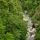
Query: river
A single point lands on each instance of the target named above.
(29, 23)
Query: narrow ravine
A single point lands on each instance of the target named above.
(27, 19)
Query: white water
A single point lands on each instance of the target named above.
(27, 19)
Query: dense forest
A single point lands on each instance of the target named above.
(12, 25)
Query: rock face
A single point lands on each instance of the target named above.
(31, 31)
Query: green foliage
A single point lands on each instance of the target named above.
(30, 6)
(36, 18)
(33, 8)
(12, 26)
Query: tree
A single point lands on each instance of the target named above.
(12, 26)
